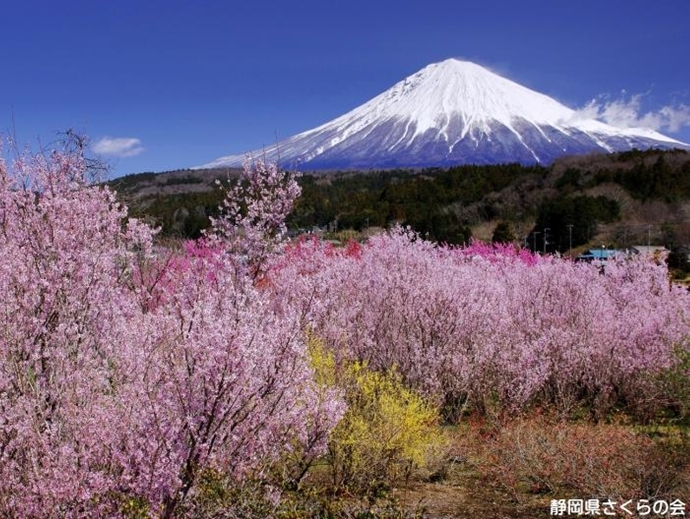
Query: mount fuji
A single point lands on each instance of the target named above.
(449, 113)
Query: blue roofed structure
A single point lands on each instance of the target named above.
(602, 254)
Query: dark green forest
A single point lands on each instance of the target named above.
(443, 204)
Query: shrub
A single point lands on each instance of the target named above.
(223, 498)
(387, 432)
(673, 386)
(536, 454)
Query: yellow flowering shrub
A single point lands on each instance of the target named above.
(388, 430)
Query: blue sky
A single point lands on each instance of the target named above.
(160, 85)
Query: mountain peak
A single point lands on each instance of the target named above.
(454, 88)
(452, 112)
(455, 66)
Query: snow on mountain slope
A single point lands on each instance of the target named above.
(453, 112)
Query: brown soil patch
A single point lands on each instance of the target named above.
(464, 494)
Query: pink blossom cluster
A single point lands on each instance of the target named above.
(492, 325)
(252, 223)
(125, 373)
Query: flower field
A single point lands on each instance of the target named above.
(242, 375)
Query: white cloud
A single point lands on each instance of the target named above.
(626, 112)
(118, 147)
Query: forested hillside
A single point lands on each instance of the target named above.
(620, 199)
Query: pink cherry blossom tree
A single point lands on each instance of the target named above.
(227, 385)
(253, 212)
(492, 327)
(125, 374)
(69, 323)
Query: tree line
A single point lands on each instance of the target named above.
(443, 204)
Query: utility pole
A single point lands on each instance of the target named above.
(535, 241)
(546, 235)
(649, 236)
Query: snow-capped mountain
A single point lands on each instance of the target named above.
(453, 112)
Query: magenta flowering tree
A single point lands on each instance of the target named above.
(253, 212)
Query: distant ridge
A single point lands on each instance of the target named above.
(449, 113)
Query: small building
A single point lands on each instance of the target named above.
(602, 254)
(647, 250)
